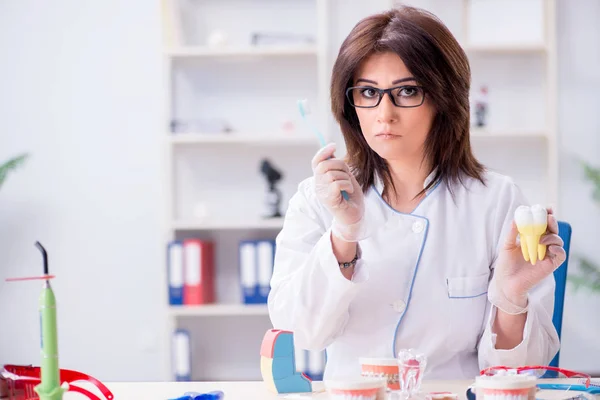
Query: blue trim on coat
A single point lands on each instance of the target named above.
(411, 286)
(467, 297)
(418, 259)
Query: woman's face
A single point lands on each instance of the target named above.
(392, 132)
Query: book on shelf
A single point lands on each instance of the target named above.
(181, 355)
(190, 266)
(256, 269)
(311, 363)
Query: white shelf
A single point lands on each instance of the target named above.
(204, 51)
(246, 139)
(199, 225)
(515, 48)
(219, 310)
(499, 134)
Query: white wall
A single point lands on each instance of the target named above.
(80, 90)
(579, 128)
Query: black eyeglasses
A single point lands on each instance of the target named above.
(406, 96)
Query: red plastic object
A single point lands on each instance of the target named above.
(199, 279)
(31, 278)
(267, 347)
(542, 369)
(22, 379)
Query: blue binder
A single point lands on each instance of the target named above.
(315, 364)
(256, 268)
(175, 266)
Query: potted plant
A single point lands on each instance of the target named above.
(11, 165)
(589, 273)
(5, 168)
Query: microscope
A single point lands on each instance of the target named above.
(273, 195)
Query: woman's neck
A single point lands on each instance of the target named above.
(408, 179)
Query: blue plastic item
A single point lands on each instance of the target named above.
(214, 395)
(471, 394)
(562, 386)
(560, 276)
(278, 365)
(551, 386)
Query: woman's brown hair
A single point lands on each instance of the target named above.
(436, 60)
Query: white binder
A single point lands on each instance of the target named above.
(265, 250)
(248, 270)
(182, 355)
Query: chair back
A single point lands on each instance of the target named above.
(560, 276)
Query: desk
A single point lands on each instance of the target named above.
(258, 391)
(235, 390)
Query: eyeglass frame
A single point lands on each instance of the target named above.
(382, 93)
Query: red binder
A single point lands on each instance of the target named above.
(199, 263)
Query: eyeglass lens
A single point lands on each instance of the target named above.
(402, 96)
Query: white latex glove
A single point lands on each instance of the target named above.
(514, 277)
(331, 176)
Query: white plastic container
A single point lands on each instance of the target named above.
(357, 389)
(441, 396)
(506, 387)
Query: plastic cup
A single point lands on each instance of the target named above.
(411, 367)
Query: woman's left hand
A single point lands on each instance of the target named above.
(515, 276)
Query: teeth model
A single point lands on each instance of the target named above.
(532, 223)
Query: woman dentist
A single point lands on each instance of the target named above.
(424, 252)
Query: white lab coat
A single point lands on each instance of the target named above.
(421, 282)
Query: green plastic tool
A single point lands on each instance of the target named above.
(49, 388)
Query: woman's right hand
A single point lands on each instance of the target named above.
(331, 176)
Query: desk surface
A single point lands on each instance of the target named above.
(258, 391)
(236, 390)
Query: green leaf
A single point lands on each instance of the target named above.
(580, 282)
(589, 276)
(592, 174)
(589, 273)
(11, 165)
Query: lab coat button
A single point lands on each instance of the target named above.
(399, 306)
(418, 226)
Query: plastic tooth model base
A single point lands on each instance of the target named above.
(515, 387)
(441, 396)
(360, 389)
(359, 395)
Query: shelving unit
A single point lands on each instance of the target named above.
(242, 139)
(242, 51)
(514, 48)
(507, 134)
(254, 89)
(199, 225)
(251, 92)
(216, 310)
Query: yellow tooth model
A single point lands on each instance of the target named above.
(532, 223)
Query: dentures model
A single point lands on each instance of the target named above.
(531, 223)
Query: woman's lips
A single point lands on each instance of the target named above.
(387, 135)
